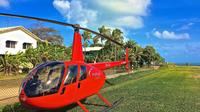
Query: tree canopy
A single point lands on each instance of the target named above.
(138, 56)
(53, 49)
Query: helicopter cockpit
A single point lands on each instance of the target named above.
(45, 79)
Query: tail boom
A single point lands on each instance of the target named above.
(107, 65)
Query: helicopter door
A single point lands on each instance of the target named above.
(70, 86)
(83, 84)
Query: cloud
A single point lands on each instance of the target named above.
(193, 48)
(4, 3)
(129, 21)
(75, 12)
(134, 7)
(186, 26)
(179, 49)
(171, 35)
(113, 13)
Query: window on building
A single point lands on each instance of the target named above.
(10, 44)
(26, 45)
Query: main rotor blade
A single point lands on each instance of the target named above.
(39, 19)
(61, 23)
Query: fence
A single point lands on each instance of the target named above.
(9, 88)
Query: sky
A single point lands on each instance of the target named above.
(171, 26)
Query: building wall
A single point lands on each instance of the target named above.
(18, 36)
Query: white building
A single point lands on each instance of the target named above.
(15, 39)
(89, 49)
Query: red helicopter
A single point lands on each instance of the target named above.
(52, 85)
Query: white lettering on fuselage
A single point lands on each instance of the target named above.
(96, 74)
(107, 64)
(123, 63)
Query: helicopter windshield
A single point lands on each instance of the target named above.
(45, 79)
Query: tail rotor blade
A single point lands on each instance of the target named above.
(109, 83)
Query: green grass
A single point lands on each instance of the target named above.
(165, 90)
(174, 89)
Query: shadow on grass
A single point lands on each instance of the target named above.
(17, 107)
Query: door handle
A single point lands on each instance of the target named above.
(63, 91)
(79, 85)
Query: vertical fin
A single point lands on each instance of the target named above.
(126, 59)
(77, 52)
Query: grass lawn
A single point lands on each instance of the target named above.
(174, 89)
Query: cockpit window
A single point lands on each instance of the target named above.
(71, 74)
(45, 80)
(83, 73)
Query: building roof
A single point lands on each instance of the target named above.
(88, 49)
(15, 28)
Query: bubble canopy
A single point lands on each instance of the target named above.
(45, 79)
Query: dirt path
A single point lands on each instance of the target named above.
(124, 73)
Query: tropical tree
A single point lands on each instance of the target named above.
(158, 60)
(105, 31)
(130, 44)
(52, 49)
(135, 53)
(86, 37)
(100, 56)
(47, 33)
(113, 51)
(95, 40)
(47, 52)
(12, 63)
(138, 56)
(149, 55)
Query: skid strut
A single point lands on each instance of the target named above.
(104, 100)
(82, 106)
(100, 96)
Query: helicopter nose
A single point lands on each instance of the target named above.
(22, 96)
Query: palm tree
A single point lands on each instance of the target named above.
(95, 40)
(86, 37)
(105, 31)
(135, 53)
(138, 56)
(149, 54)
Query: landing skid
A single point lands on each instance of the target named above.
(106, 109)
(115, 104)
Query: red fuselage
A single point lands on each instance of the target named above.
(68, 94)
(57, 84)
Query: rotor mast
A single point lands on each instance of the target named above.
(77, 51)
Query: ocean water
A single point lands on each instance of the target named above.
(191, 64)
